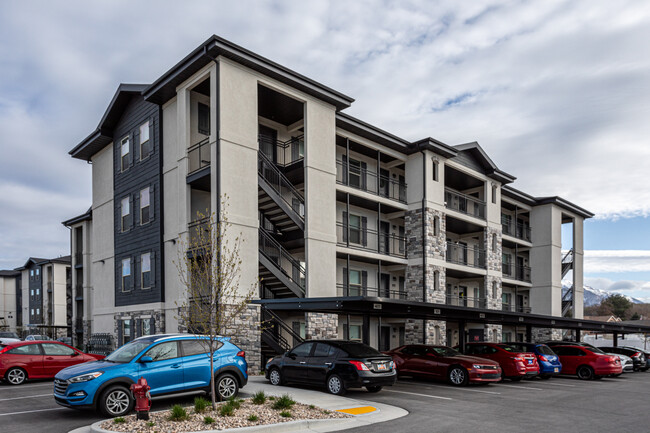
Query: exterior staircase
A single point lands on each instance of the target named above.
(277, 336)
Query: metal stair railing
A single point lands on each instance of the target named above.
(277, 254)
(272, 327)
(268, 170)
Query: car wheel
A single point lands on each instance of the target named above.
(585, 373)
(335, 385)
(226, 387)
(16, 376)
(374, 388)
(458, 376)
(275, 377)
(116, 401)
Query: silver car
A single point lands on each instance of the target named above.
(626, 363)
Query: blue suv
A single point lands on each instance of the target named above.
(549, 362)
(170, 363)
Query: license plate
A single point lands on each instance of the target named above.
(556, 370)
(382, 367)
(530, 362)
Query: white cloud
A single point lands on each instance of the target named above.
(619, 261)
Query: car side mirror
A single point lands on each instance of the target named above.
(146, 359)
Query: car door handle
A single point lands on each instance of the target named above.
(176, 366)
(328, 363)
(49, 358)
(303, 362)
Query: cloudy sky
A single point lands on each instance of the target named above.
(557, 92)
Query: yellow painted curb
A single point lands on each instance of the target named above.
(358, 410)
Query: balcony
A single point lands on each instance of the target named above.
(370, 240)
(515, 308)
(369, 181)
(461, 254)
(199, 233)
(464, 301)
(519, 231)
(357, 290)
(519, 273)
(285, 153)
(464, 204)
(199, 156)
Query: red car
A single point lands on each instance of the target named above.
(444, 363)
(24, 360)
(516, 365)
(586, 363)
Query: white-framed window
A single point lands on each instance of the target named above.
(355, 229)
(354, 286)
(125, 150)
(355, 333)
(32, 311)
(38, 292)
(145, 214)
(145, 143)
(38, 311)
(146, 327)
(31, 274)
(125, 212)
(37, 272)
(126, 331)
(32, 293)
(145, 271)
(126, 275)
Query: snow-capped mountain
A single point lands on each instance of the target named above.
(595, 296)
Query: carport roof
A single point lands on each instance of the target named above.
(395, 308)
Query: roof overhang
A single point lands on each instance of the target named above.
(565, 204)
(520, 196)
(437, 147)
(482, 157)
(88, 216)
(372, 133)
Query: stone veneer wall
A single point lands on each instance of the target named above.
(493, 333)
(546, 334)
(435, 245)
(321, 326)
(494, 257)
(159, 321)
(246, 333)
(493, 299)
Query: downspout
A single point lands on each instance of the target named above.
(424, 241)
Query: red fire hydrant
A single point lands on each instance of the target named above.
(142, 398)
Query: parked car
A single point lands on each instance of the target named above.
(8, 337)
(638, 357)
(171, 363)
(587, 363)
(444, 363)
(645, 353)
(37, 337)
(65, 340)
(336, 364)
(549, 362)
(23, 360)
(515, 364)
(626, 362)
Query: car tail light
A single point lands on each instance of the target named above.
(241, 354)
(519, 358)
(360, 365)
(636, 355)
(543, 358)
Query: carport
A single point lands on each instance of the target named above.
(379, 308)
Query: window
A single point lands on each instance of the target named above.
(38, 292)
(195, 347)
(323, 350)
(125, 152)
(126, 275)
(31, 274)
(145, 327)
(126, 331)
(32, 293)
(37, 272)
(162, 351)
(204, 119)
(494, 289)
(494, 241)
(302, 350)
(57, 349)
(505, 298)
(355, 229)
(125, 213)
(145, 143)
(145, 271)
(145, 214)
(494, 193)
(436, 280)
(436, 225)
(355, 333)
(355, 173)
(27, 349)
(32, 312)
(506, 337)
(38, 311)
(355, 283)
(435, 169)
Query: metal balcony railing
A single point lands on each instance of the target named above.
(520, 231)
(358, 290)
(286, 152)
(521, 273)
(371, 240)
(465, 301)
(463, 255)
(465, 204)
(275, 252)
(199, 233)
(369, 181)
(515, 308)
(199, 156)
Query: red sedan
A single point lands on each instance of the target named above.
(587, 363)
(444, 363)
(24, 360)
(515, 364)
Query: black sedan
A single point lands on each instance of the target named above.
(638, 357)
(336, 364)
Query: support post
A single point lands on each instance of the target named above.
(577, 336)
(366, 330)
(461, 335)
(529, 334)
(615, 339)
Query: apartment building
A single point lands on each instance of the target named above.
(10, 300)
(328, 207)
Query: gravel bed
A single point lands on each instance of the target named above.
(264, 412)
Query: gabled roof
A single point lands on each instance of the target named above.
(88, 216)
(31, 261)
(65, 260)
(480, 156)
(103, 135)
(435, 146)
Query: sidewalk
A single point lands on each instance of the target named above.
(365, 412)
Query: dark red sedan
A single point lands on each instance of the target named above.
(515, 364)
(24, 360)
(443, 363)
(587, 363)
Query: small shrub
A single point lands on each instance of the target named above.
(151, 424)
(285, 414)
(311, 406)
(235, 403)
(119, 420)
(200, 404)
(259, 397)
(208, 420)
(284, 402)
(253, 417)
(271, 398)
(177, 413)
(226, 410)
(326, 412)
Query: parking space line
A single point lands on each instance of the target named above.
(28, 396)
(520, 387)
(419, 395)
(33, 385)
(457, 389)
(32, 411)
(559, 384)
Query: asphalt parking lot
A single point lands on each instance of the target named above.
(561, 404)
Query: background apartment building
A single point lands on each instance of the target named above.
(328, 207)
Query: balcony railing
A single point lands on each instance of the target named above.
(199, 233)
(520, 273)
(358, 290)
(463, 255)
(515, 308)
(199, 155)
(465, 301)
(464, 203)
(371, 240)
(369, 181)
(520, 231)
(286, 152)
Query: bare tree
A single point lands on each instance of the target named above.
(209, 266)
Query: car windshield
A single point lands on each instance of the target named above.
(358, 350)
(545, 350)
(127, 352)
(510, 348)
(443, 351)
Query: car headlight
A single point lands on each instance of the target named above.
(86, 377)
(476, 366)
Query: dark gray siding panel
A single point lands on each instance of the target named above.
(140, 238)
(467, 159)
(36, 301)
